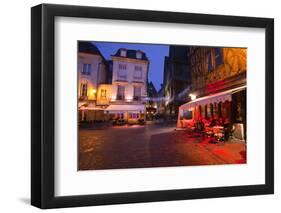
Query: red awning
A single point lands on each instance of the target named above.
(215, 98)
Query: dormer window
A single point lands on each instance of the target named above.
(139, 55)
(123, 53)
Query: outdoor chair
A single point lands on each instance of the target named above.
(219, 134)
(209, 132)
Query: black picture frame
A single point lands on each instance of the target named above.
(43, 117)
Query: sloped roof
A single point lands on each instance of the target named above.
(88, 47)
(131, 54)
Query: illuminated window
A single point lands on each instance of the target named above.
(120, 92)
(120, 116)
(137, 93)
(134, 115)
(86, 70)
(83, 89)
(103, 93)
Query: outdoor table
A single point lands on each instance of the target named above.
(209, 131)
(218, 128)
(218, 132)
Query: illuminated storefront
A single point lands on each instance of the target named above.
(218, 88)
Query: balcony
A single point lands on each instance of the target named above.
(121, 79)
(137, 82)
(83, 98)
(136, 98)
(120, 97)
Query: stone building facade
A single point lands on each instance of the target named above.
(177, 77)
(129, 85)
(218, 87)
(152, 100)
(92, 71)
(217, 69)
(114, 89)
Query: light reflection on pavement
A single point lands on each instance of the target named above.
(152, 145)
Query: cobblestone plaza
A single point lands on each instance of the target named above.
(152, 145)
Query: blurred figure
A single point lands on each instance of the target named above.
(221, 122)
(212, 121)
(227, 128)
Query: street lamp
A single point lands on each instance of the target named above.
(192, 96)
(113, 98)
(129, 98)
(94, 91)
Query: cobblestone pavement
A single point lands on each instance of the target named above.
(152, 145)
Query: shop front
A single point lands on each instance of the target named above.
(91, 114)
(219, 109)
(131, 114)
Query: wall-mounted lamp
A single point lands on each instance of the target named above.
(192, 96)
(113, 98)
(129, 98)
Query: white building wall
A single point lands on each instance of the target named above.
(130, 69)
(97, 74)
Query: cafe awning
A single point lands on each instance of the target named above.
(80, 104)
(214, 98)
(90, 108)
(125, 108)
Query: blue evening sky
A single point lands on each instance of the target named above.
(154, 52)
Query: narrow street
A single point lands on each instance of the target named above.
(152, 145)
